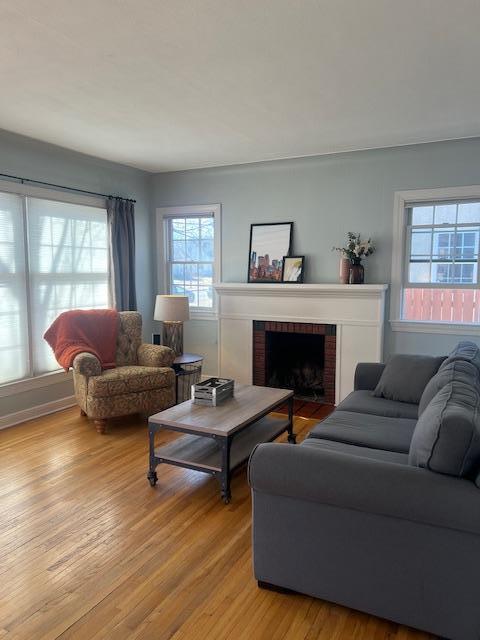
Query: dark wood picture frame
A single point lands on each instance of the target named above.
(302, 273)
(250, 277)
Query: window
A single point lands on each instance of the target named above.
(191, 254)
(438, 275)
(53, 257)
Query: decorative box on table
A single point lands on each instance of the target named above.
(213, 391)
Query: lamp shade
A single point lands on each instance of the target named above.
(171, 308)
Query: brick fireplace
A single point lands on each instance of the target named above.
(296, 355)
(356, 311)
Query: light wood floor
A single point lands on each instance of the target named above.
(89, 550)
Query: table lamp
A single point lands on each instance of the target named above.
(172, 311)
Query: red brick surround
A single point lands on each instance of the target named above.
(260, 330)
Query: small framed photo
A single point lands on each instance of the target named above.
(293, 268)
(268, 244)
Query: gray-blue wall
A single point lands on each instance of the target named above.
(325, 196)
(30, 158)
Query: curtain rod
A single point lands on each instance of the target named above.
(60, 186)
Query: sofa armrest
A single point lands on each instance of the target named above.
(353, 482)
(154, 355)
(87, 365)
(367, 375)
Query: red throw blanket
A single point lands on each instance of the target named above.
(94, 331)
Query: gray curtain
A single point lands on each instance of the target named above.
(121, 227)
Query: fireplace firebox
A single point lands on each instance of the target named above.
(298, 356)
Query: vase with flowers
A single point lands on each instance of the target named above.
(354, 251)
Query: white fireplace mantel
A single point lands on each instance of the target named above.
(302, 290)
(356, 310)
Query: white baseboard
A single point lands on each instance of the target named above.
(36, 412)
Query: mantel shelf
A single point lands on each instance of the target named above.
(301, 290)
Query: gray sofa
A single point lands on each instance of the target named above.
(379, 508)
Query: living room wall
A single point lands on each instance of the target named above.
(32, 159)
(325, 196)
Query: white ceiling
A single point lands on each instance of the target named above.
(177, 84)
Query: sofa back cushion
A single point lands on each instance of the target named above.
(465, 350)
(446, 438)
(450, 371)
(406, 376)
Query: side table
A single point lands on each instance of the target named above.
(188, 371)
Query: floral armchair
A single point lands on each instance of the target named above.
(142, 382)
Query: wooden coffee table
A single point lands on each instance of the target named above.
(219, 439)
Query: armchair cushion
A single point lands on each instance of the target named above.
(129, 338)
(130, 379)
(87, 364)
(153, 355)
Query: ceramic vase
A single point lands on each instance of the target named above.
(344, 270)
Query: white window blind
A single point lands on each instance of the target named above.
(53, 258)
(68, 266)
(14, 361)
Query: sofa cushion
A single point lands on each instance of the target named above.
(354, 450)
(406, 376)
(364, 402)
(447, 436)
(465, 350)
(130, 379)
(455, 370)
(367, 430)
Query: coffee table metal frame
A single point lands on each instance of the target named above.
(223, 473)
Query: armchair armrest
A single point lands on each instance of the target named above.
(87, 364)
(353, 482)
(367, 375)
(154, 355)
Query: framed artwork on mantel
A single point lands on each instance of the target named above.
(293, 269)
(269, 243)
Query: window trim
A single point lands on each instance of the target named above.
(162, 214)
(30, 383)
(22, 385)
(403, 200)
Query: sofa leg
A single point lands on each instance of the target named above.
(101, 426)
(82, 412)
(273, 587)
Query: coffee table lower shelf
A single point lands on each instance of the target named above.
(219, 455)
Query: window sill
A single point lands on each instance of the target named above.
(410, 326)
(28, 384)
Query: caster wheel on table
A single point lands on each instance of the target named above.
(292, 439)
(152, 478)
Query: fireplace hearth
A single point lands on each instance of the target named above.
(299, 356)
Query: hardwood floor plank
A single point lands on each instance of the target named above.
(88, 550)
